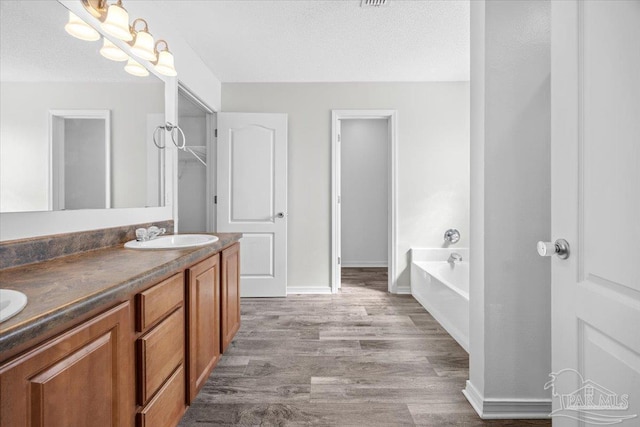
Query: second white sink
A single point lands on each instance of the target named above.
(173, 241)
(11, 303)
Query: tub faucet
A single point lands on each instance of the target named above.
(454, 257)
(144, 234)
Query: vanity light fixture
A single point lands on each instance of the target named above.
(116, 23)
(135, 68)
(165, 64)
(113, 52)
(143, 41)
(80, 29)
(114, 20)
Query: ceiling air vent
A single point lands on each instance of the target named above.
(374, 3)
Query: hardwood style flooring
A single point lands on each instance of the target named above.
(362, 357)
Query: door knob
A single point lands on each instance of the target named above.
(280, 215)
(560, 248)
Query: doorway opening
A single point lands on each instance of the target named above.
(364, 197)
(196, 172)
(80, 143)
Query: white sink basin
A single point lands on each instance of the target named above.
(173, 241)
(11, 303)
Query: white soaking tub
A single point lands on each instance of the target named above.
(443, 289)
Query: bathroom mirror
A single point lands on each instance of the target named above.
(75, 128)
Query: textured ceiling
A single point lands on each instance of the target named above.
(326, 40)
(257, 40)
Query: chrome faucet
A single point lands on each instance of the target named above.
(454, 257)
(145, 234)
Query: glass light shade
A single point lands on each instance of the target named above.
(80, 29)
(113, 52)
(165, 64)
(117, 23)
(143, 46)
(135, 68)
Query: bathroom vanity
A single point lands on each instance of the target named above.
(117, 337)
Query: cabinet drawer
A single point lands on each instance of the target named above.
(158, 301)
(168, 406)
(159, 352)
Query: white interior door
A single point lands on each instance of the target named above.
(252, 197)
(596, 208)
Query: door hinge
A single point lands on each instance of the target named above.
(339, 261)
(339, 199)
(215, 133)
(338, 137)
(215, 200)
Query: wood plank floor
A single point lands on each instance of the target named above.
(360, 358)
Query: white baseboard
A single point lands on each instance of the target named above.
(403, 290)
(363, 264)
(507, 409)
(308, 290)
(474, 397)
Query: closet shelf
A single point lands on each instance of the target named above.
(197, 151)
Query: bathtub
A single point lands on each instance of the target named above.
(443, 289)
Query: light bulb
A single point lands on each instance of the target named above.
(143, 46)
(165, 64)
(117, 23)
(113, 52)
(134, 68)
(80, 29)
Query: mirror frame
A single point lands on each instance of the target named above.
(22, 225)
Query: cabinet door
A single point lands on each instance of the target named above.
(230, 294)
(203, 313)
(82, 378)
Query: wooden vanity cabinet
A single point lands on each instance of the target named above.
(140, 362)
(203, 322)
(230, 294)
(81, 378)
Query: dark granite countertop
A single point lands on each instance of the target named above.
(64, 290)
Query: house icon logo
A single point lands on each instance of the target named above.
(586, 400)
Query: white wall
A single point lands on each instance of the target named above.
(433, 162)
(85, 172)
(24, 135)
(192, 71)
(510, 334)
(476, 244)
(364, 194)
